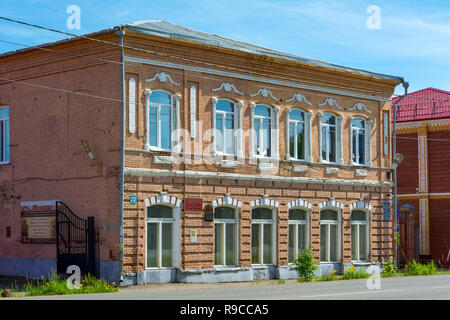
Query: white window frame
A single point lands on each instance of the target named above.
(296, 223)
(5, 137)
(272, 205)
(327, 141)
(273, 121)
(359, 223)
(222, 224)
(174, 204)
(365, 207)
(338, 138)
(235, 129)
(290, 121)
(174, 122)
(367, 141)
(337, 207)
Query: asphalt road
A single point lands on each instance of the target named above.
(403, 288)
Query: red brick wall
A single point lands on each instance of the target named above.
(47, 159)
(408, 171)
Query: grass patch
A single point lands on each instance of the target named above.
(54, 285)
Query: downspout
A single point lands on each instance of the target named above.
(120, 33)
(394, 147)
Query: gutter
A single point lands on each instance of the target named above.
(120, 33)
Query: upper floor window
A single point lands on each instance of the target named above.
(263, 127)
(329, 138)
(358, 127)
(297, 143)
(225, 125)
(4, 135)
(160, 120)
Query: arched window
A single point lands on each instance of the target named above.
(160, 222)
(358, 128)
(329, 236)
(329, 138)
(262, 236)
(263, 127)
(298, 233)
(297, 136)
(360, 235)
(225, 237)
(225, 125)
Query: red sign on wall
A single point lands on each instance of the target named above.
(193, 204)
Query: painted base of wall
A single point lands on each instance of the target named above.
(38, 268)
(238, 274)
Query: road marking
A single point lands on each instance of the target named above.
(350, 293)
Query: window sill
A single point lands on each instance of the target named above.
(329, 262)
(361, 263)
(226, 268)
(5, 163)
(162, 268)
(262, 266)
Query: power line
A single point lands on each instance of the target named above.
(171, 56)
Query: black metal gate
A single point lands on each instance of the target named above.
(75, 241)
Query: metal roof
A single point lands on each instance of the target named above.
(425, 104)
(168, 30)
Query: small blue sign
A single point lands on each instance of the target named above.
(133, 199)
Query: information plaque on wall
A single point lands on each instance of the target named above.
(193, 204)
(387, 216)
(38, 221)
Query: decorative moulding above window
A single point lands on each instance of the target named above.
(228, 87)
(163, 198)
(162, 77)
(360, 106)
(360, 173)
(265, 93)
(300, 98)
(299, 203)
(265, 202)
(227, 201)
(162, 159)
(333, 204)
(299, 168)
(360, 205)
(331, 171)
(331, 103)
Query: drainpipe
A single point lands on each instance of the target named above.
(405, 86)
(120, 33)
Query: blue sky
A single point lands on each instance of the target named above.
(413, 42)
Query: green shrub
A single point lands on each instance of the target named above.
(388, 269)
(304, 265)
(415, 268)
(353, 273)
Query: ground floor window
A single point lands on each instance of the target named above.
(262, 236)
(160, 223)
(360, 235)
(298, 233)
(225, 232)
(329, 236)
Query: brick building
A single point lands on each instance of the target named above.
(423, 137)
(234, 158)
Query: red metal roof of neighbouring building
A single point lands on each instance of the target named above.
(425, 104)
